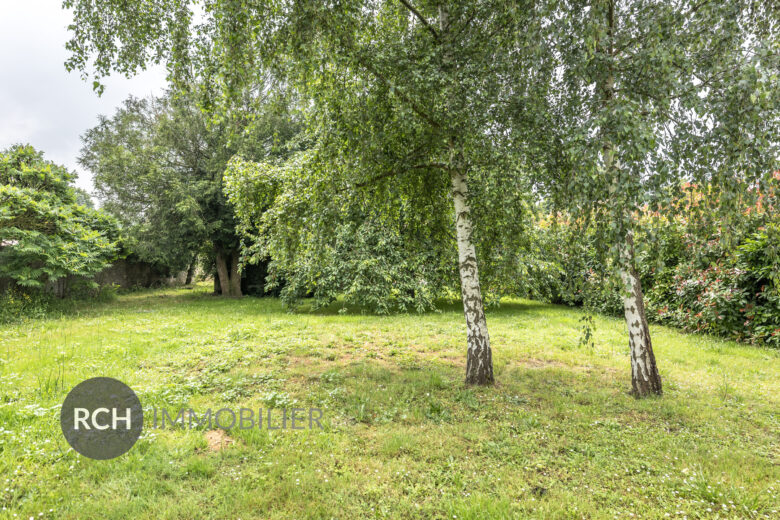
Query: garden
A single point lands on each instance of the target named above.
(401, 259)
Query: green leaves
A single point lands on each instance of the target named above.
(158, 166)
(44, 234)
(527, 97)
(674, 92)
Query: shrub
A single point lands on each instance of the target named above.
(17, 304)
(45, 235)
(728, 293)
(693, 276)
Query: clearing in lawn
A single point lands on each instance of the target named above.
(558, 436)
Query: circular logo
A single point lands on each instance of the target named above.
(101, 418)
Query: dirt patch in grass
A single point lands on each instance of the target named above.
(343, 360)
(444, 356)
(218, 440)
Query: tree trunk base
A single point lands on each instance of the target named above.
(480, 379)
(652, 387)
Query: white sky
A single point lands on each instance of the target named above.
(40, 102)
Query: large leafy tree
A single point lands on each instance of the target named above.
(137, 176)
(45, 235)
(157, 165)
(652, 94)
(404, 103)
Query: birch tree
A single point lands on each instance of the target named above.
(654, 94)
(403, 91)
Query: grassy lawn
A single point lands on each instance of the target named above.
(557, 437)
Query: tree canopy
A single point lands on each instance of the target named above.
(158, 165)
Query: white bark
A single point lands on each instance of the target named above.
(636, 336)
(479, 365)
(645, 378)
(479, 360)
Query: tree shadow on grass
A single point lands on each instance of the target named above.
(432, 391)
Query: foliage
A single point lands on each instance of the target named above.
(18, 305)
(152, 167)
(371, 253)
(717, 277)
(696, 275)
(158, 164)
(395, 100)
(44, 234)
(652, 94)
(601, 107)
(400, 107)
(731, 293)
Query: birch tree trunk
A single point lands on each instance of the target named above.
(479, 361)
(645, 379)
(235, 276)
(479, 358)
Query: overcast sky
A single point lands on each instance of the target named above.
(40, 102)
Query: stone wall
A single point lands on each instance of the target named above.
(128, 273)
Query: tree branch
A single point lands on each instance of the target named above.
(420, 17)
(393, 172)
(414, 106)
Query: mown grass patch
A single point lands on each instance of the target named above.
(557, 437)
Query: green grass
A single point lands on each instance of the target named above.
(557, 437)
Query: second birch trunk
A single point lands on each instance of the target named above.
(645, 379)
